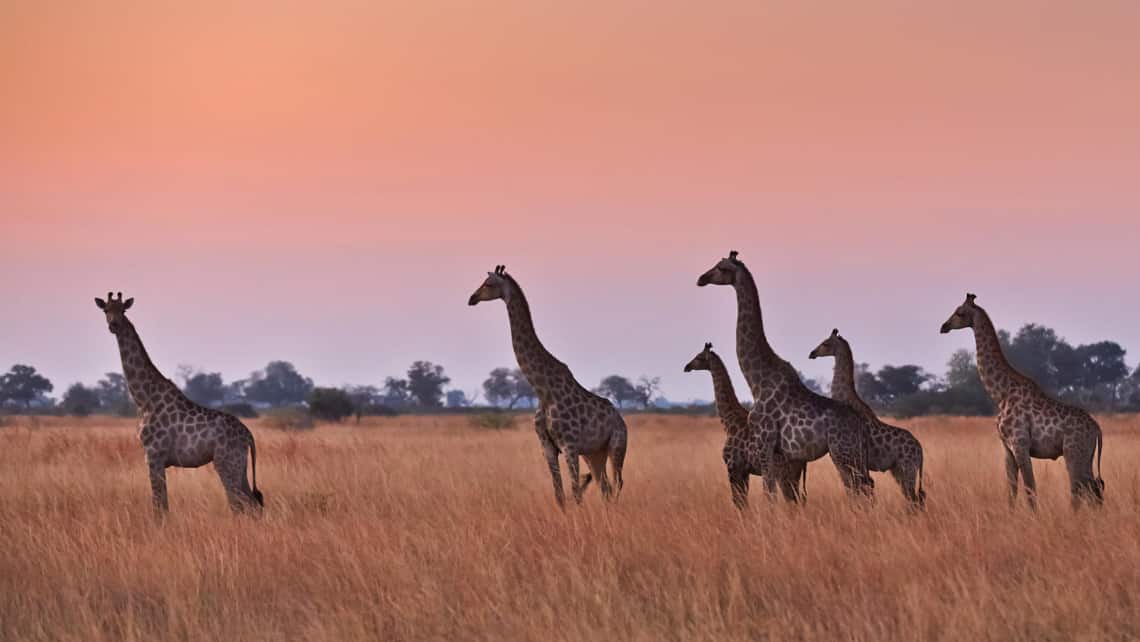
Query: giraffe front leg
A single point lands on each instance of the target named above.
(1011, 473)
(157, 469)
(1025, 466)
(572, 467)
(550, 452)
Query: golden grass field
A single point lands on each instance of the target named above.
(424, 528)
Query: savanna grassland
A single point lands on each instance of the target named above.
(425, 528)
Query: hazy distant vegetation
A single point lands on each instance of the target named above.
(1094, 376)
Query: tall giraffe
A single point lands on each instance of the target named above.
(786, 415)
(570, 419)
(736, 453)
(891, 447)
(176, 431)
(1030, 422)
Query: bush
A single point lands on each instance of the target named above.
(493, 420)
(330, 404)
(293, 418)
(240, 409)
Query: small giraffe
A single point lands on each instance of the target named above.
(176, 431)
(892, 448)
(1030, 422)
(786, 415)
(570, 419)
(734, 417)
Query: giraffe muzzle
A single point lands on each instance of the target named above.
(946, 328)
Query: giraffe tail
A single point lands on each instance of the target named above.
(257, 496)
(1099, 452)
(921, 493)
(803, 483)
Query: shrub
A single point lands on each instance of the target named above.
(330, 404)
(493, 420)
(293, 418)
(240, 409)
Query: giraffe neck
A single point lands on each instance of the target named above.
(145, 383)
(757, 359)
(998, 376)
(843, 380)
(728, 406)
(541, 368)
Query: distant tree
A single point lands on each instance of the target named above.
(279, 384)
(812, 384)
(1037, 352)
(507, 387)
(22, 385)
(114, 397)
(618, 389)
(80, 401)
(396, 393)
(425, 383)
(457, 399)
(646, 390)
(868, 385)
(330, 404)
(207, 389)
(900, 381)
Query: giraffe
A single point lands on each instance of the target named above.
(1030, 423)
(734, 417)
(786, 415)
(891, 448)
(570, 419)
(176, 431)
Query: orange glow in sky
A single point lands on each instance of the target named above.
(327, 182)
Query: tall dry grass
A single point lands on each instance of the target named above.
(428, 529)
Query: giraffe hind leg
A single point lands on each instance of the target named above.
(1083, 485)
(597, 464)
(231, 470)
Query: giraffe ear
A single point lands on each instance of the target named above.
(100, 303)
(128, 303)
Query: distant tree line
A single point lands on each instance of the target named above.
(1094, 376)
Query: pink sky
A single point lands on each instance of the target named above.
(328, 184)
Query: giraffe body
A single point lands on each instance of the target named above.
(570, 420)
(174, 430)
(741, 457)
(1030, 423)
(891, 448)
(786, 416)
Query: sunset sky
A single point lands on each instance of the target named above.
(328, 182)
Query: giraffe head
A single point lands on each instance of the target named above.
(701, 361)
(116, 311)
(496, 286)
(830, 346)
(723, 273)
(963, 316)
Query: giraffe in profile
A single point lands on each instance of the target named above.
(891, 448)
(786, 416)
(736, 454)
(570, 420)
(176, 431)
(1030, 423)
